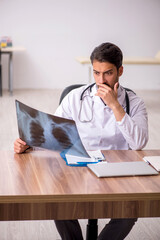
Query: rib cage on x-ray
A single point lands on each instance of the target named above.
(43, 130)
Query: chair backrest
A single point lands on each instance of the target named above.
(68, 89)
(129, 90)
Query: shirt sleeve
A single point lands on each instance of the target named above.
(63, 109)
(135, 127)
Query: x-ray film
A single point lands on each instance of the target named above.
(39, 129)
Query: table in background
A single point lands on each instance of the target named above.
(39, 185)
(127, 60)
(9, 51)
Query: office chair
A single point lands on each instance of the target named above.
(92, 227)
(68, 89)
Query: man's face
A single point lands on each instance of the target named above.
(106, 73)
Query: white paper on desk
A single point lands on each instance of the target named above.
(97, 155)
(75, 159)
(154, 161)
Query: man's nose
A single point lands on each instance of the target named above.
(101, 79)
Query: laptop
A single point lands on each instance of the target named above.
(154, 161)
(117, 169)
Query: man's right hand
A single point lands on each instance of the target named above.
(20, 146)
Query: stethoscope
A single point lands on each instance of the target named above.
(91, 117)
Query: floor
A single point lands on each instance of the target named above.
(47, 101)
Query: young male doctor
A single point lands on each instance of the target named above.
(107, 117)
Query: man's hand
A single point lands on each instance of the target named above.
(109, 97)
(20, 146)
(107, 94)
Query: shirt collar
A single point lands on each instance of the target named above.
(93, 90)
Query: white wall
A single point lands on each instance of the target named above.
(55, 32)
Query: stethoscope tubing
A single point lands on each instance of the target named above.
(90, 88)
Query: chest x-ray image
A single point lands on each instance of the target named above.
(39, 129)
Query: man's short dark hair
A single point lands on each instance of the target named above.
(107, 52)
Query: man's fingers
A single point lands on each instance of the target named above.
(116, 85)
(20, 146)
(20, 141)
(100, 92)
(103, 85)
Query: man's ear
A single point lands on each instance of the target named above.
(120, 71)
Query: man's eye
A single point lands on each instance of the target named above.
(109, 73)
(96, 73)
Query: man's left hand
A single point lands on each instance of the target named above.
(108, 95)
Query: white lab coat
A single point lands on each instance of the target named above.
(103, 131)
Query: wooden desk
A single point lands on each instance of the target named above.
(9, 51)
(39, 185)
